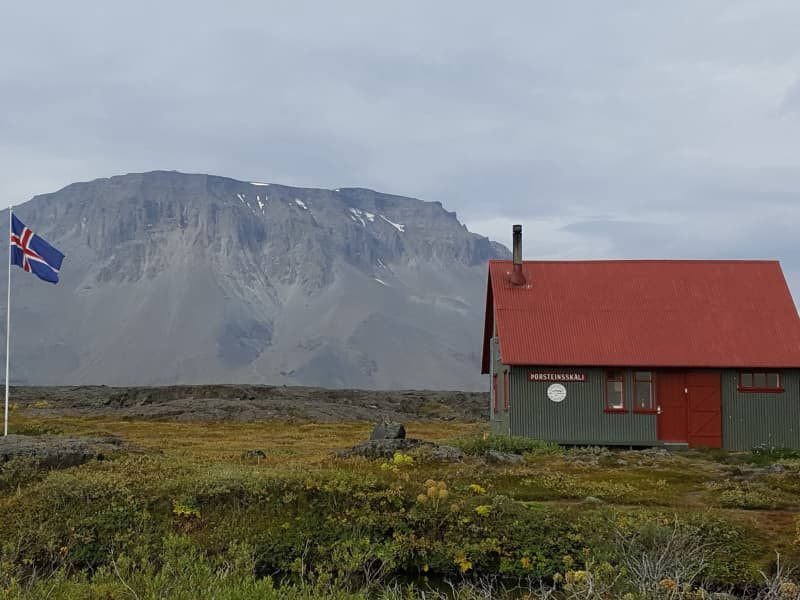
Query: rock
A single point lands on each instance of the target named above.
(446, 454)
(56, 452)
(254, 454)
(388, 431)
(776, 468)
(223, 403)
(655, 451)
(504, 457)
(584, 461)
(382, 448)
(745, 473)
(592, 500)
(622, 463)
(386, 448)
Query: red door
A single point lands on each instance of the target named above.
(672, 422)
(705, 415)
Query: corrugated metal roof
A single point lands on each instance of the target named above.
(644, 313)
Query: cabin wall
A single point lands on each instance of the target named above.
(495, 392)
(748, 419)
(581, 417)
(752, 419)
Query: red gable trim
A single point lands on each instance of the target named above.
(645, 313)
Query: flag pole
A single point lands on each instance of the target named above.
(8, 321)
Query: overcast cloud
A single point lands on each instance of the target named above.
(609, 129)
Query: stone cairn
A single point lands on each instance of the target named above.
(388, 438)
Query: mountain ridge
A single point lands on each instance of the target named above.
(190, 278)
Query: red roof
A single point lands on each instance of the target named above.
(643, 313)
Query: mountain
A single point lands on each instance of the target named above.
(174, 278)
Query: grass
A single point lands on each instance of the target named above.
(479, 444)
(309, 518)
(226, 441)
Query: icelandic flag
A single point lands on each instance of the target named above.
(32, 253)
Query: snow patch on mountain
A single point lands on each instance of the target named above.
(358, 216)
(399, 226)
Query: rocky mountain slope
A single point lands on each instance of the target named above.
(192, 279)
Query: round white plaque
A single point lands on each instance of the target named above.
(556, 392)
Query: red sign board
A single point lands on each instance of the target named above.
(556, 377)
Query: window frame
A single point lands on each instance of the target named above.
(753, 389)
(620, 379)
(653, 399)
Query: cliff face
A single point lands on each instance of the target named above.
(174, 278)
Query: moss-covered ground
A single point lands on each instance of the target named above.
(188, 513)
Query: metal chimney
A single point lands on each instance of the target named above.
(517, 277)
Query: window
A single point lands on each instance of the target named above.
(760, 381)
(615, 391)
(644, 396)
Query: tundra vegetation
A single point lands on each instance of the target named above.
(267, 510)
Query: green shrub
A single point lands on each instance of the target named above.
(558, 484)
(179, 526)
(478, 444)
(183, 572)
(75, 519)
(747, 495)
(20, 470)
(766, 455)
(35, 429)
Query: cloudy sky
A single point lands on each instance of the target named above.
(609, 129)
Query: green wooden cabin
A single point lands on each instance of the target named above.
(643, 353)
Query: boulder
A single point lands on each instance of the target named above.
(504, 457)
(254, 454)
(55, 452)
(388, 431)
(746, 473)
(382, 448)
(446, 454)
